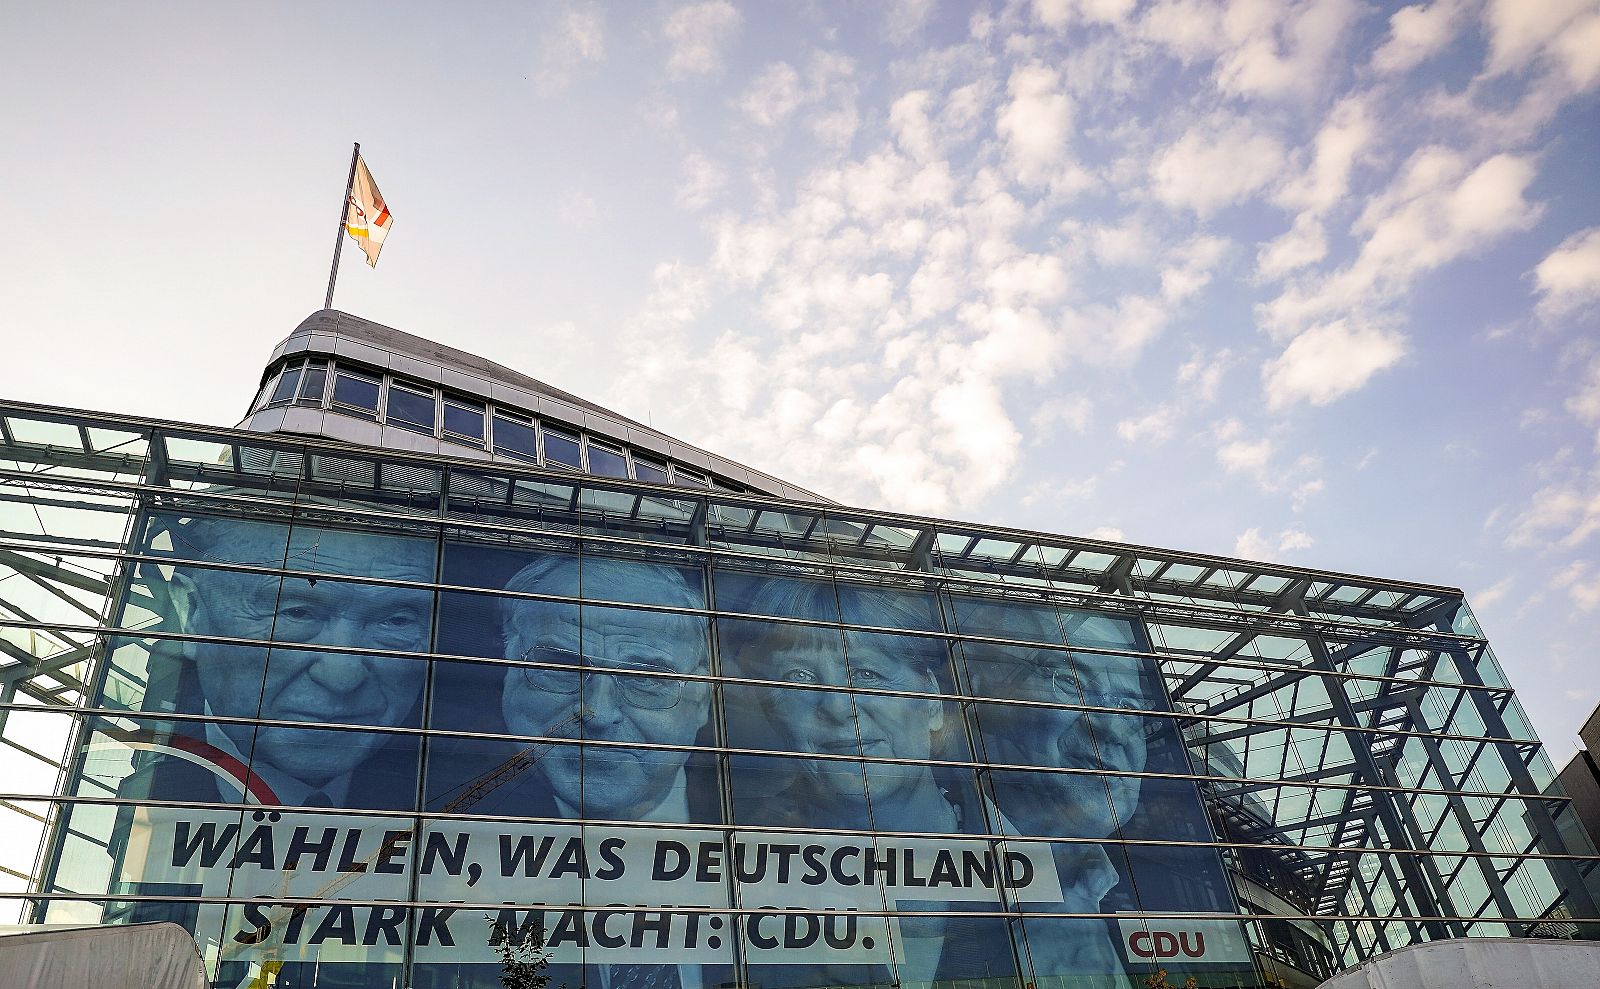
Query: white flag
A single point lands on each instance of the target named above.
(366, 215)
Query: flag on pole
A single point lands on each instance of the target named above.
(367, 216)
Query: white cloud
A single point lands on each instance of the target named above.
(1303, 493)
(1581, 583)
(1070, 411)
(1577, 48)
(577, 36)
(1035, 123)
(1109, 533)
(780, 90)
(1343, 137)
(1126, 244)
(1281, 49)
(1304, 243)
(1290, 540)
(1562, 515)
(1215, 164)
(904, 20)
(1418, 33)
(678, 294)
(703, 180)
(1262, 49)
(1493, 594)
(1568, 279)
(913, 129)
(1585, 402)
(1439, 208)
(1322, 185)
(1191, 267)
(1251, 546)
(697, 34)
(1327, 362)
(1151, 429)
(1519, 30)
(1027, 279)
(1060, 14)
(1204, 374)
(1245, 455)
(1051, 492)
(773, 95)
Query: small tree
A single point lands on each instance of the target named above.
(1159, 981)
(523, 957)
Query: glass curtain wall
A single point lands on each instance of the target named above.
(368, 722)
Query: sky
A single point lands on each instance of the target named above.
(1313, 282)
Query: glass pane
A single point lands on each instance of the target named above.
(779, 590)
(410, 409)
(462, 419)
(560, 448)
(265, 394)
(649, 470)
(782, 791)
(515, 437)
(311, 387)
(355, 391)
(606, 463)
(286, 385)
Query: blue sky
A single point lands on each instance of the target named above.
(1313, 282)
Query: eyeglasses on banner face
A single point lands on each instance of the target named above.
(650, 693)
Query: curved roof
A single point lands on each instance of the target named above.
(335, 334)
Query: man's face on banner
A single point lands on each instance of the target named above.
(830, 721)
(1050, 802)
(587, 701)
(313, 685)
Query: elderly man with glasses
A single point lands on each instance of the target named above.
(610, 676)
(1053, 723)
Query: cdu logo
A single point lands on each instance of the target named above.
(1167, 944)
(1190, 940)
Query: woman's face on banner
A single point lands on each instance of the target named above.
(835, 722)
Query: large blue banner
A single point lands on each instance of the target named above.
(660, 774)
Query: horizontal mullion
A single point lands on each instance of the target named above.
(424, 819)
(1342, 629)
(949, 636)
(1254, 783)
(460, 906)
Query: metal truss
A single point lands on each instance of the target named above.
(1324, 678)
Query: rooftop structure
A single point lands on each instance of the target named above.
(345, 378)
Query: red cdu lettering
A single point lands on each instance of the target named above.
(1166, 944)
(1137, 938)
(1199, 944)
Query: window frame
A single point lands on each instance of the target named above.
(576, 437)
(307, 401)
(617, 450)
(290, 373)
(664, 466)
(519, 418)
(413, 390)
(477, 406)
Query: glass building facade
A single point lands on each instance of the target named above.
(361, 717)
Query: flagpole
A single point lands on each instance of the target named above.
(338, 237)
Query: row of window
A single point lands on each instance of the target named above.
(316, 382)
